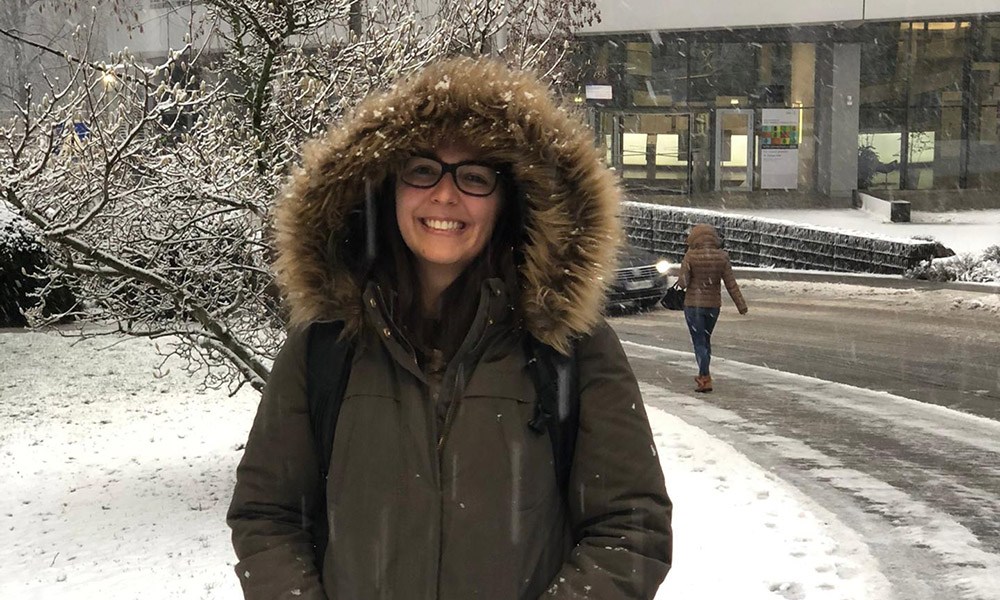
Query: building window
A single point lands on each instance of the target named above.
(929, 95)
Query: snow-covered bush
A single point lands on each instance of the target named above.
(22, 266)
(18, 249)
(980, 267)
(992, 253)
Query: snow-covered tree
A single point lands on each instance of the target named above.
(151, 184)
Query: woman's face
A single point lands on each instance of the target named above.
(443, 226)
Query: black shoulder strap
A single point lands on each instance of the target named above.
(327, 369)
(557, 410)
(328, 364)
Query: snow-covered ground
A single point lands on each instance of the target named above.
(117, 484)
(732, 516)
(962, 231)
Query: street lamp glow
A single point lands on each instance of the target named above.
(108, 78)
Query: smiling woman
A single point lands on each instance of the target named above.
(469, 232)
(446, 222)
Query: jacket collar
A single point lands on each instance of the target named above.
(494, 317)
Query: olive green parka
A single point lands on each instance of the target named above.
(470, 509)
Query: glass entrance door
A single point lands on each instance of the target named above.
(734, 147)
(651, 150)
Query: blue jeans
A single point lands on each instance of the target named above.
(701, 321)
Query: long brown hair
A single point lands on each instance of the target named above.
(394, 268)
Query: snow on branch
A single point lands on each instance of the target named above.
(150, 183)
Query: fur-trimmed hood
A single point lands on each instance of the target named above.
(571, 198)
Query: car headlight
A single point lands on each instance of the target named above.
(662, 266)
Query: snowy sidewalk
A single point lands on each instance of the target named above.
(741, 532)
(117, 485)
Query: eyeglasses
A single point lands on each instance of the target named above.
(471, 177)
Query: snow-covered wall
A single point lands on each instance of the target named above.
(760, 242)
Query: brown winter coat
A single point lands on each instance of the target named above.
(705, 266)
(471, 509)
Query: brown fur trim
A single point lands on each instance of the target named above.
(572, 198)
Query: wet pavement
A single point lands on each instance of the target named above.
(921, 484)
(915, 344)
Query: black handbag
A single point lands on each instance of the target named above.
(674, 298)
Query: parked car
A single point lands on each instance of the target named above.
(640, 280)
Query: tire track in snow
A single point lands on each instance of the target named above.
(772, 540)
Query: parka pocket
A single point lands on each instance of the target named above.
(508, 445)
(498, 404)
(366, 426)
(363, 491)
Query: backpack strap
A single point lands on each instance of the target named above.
(328, 365)
(557, 410)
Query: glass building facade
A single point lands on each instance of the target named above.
(686, 109)
(930, 93)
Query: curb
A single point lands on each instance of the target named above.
(870, 279)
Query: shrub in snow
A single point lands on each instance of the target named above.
(981, 267)
(22, 262)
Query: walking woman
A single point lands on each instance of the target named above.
(449, 221)
(704, 268)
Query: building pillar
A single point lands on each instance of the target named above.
(838, 89)
(804, 98)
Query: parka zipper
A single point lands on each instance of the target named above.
(448, 418)
(445, 428)
(450, 415)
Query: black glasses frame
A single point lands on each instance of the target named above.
(453, 169)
